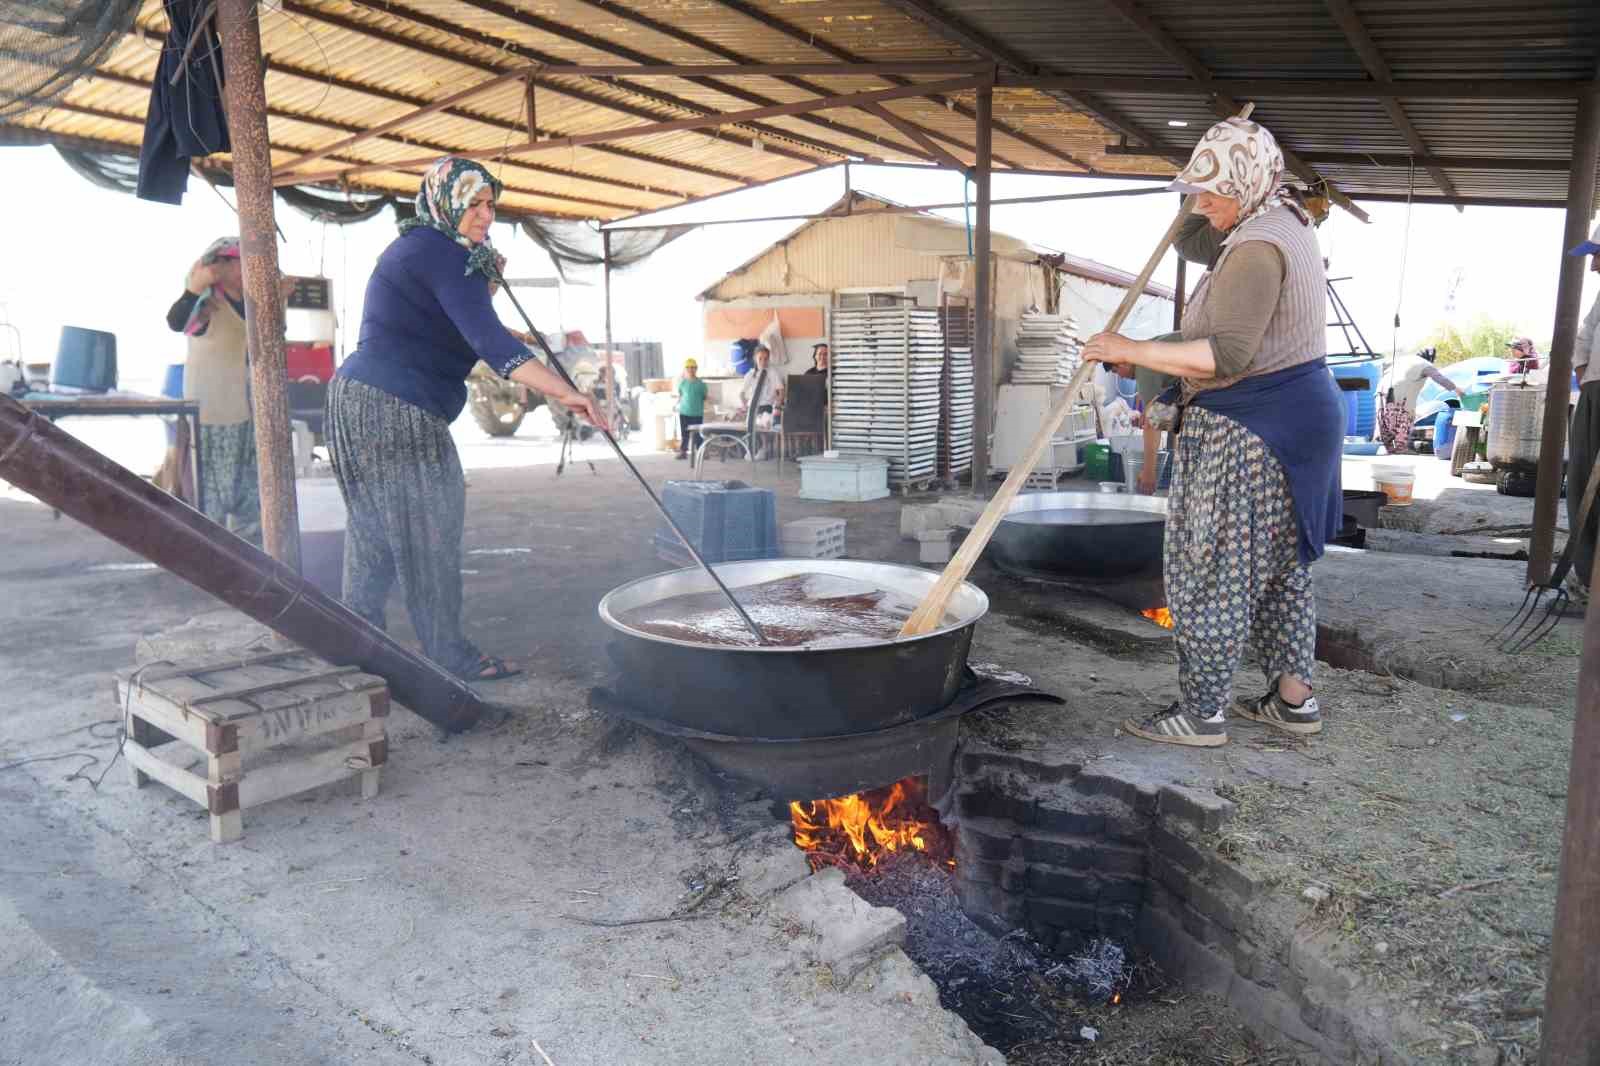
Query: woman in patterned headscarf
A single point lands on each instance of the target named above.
(1255, 488)
(426, 322)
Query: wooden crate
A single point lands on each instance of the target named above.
(268, 726)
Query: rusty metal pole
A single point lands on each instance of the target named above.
(1569, 297)
(1177, 293)
(983, 361)
(264, 325)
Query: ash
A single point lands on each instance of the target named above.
(1007, 988)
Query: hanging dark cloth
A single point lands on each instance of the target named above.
(187, 117)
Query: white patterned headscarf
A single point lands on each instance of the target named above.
(1241, 159)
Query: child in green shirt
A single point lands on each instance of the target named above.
(691, 404)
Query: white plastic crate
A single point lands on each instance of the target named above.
(843, 477)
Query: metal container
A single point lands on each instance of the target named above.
(1066, 551)
(789, 692)
(1515, 412)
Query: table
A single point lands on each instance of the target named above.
(55, 406)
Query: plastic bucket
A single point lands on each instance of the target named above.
(1394, 482)
(322, 525)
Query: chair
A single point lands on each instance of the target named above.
(805, 412)
(727, 435)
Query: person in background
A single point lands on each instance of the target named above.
(691, 404)
(1584, 440)
(1524, 356)
(427, 320)
(762, 390)
(216, 373)
(1255, 485)
(1400, 406)
(819, 359)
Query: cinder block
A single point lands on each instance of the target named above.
(1233, 878)
(984, 803)
(984, 840)
(981, 901)
(1063, 914)
(1066, 884)
(1181, 955)
(1110, 859)
(1122, 890)
(1308, 957)
(1169, 875)
(1211, 903)
(1117, 921)
(1074, 853)
(1077, 823)
(1176, 848)
(1101, 783)
(935, 550)
(1128, 829)
(1264, 1009)
(1206, 811)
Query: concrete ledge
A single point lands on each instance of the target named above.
(851, 933)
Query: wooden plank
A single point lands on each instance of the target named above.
(175, 778)
(173, 694)
(275, 726)
(268, 783)
(161, 712)
(148, 675)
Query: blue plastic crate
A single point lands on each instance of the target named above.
(724, 520)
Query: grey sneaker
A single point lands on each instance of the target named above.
(1272, 709)
(1173, 726)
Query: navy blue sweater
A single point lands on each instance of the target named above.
(426, 323)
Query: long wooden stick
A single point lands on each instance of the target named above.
(930, 612)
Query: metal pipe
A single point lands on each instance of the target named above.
(983, 361)
(263, 306)
(1569, 299)
(555, 365)
(68, 475)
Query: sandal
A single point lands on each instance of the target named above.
(491, 669)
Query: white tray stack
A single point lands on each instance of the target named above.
(884, 395)
(1049, 349)
(955, 424)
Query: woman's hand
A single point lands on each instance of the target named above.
(1111, 348)
(583, 404)
(202, 276)
(1147, 480)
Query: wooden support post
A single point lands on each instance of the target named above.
(252, 175)
(532, 100)
(610, 373)
(1178, 290)
(1571, 1030)
(1569, 297)
(983, 361)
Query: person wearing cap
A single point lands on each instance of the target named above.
(1255, 486)
(691, 404)
(1524, 356)
(1400, 405)
(210, 315)
(1584, 440)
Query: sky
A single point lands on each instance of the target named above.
(80, 255)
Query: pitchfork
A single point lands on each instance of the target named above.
(1524, 635)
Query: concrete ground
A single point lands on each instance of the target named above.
(448, 920)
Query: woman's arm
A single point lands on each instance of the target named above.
(1185, 359)
(178, 314)
(536, 375)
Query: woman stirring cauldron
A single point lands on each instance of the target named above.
(1255, 486)
(427, 320)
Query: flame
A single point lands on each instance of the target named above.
(1160, 616)
(861, 829)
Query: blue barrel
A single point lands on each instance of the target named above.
(1444, 432)
(172, 385)
(1359, 384)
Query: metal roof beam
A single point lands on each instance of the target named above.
(1312, 89)
(1390, 159)
(444, 149)
(508, 48)
(1223, 104)
(737, 68)
(954, 29)
(1459, 200)
(675, 125)
(601, 44)
(810, 40)
(1344, 13)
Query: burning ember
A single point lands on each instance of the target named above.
(860, 830)
(1160, 616)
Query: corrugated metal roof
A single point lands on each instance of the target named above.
(338, 67)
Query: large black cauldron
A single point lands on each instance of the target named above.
(1063, 551)
(789, 692)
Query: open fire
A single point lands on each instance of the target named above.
(1160, 616)
(862, 829)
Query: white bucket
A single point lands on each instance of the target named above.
(322, 523)
(1394, 480)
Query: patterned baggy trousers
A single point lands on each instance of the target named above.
(1233, 571)
(406, 499)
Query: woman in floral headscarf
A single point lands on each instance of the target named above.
(426, 322)
(1255, 487)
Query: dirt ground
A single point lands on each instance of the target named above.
(428, 925)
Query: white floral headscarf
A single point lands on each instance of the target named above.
(1241, 159)
(445, 194)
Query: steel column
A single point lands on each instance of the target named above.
(1569, 297)
(264, 325)
(983, 326)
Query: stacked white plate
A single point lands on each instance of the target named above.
(885, 387)
(1048, 349)
(955, 427)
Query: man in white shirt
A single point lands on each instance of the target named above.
(1584, 440)
(1394, 422)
